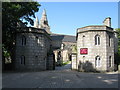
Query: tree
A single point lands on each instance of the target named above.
(118, 53)
(13, 13)
(118, 31)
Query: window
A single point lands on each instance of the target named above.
(23, 60)
(97, 61)
(38, 41)
(109, 62)
(109, 41)
(83, 59)
(83, 40)
(23, 40)
(97, 40)
(62, 46)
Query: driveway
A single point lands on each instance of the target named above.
(59, 78)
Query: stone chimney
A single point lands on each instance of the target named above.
(107, 22)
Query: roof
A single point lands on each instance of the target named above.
(95, 28)
(63, 38)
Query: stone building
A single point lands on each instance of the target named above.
(95, 47)
(62, 45)
(37, 48)
(34, 47)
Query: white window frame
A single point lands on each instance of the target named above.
(97, 39)
(97, 61)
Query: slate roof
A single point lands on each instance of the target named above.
(63, 38)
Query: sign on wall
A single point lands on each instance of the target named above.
(84, 51)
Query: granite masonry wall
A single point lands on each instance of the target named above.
(32, 49)
(104, 51)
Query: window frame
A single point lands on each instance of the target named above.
(22, 60)
(97, 39)
(110, 41)
(23, 41)
(97, 61)
(110, 61)
(83, 40)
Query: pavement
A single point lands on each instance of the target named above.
(64, 68)
(62, 77)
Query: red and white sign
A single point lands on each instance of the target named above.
(83, 51)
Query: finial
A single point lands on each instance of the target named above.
(44, 12)
(36, 23)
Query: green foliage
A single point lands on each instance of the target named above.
(74, 48)
(5, 52)
(65, 63)
(118, 54)
(13, 13)
(118, 33)
(6, 55)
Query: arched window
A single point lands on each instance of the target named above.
(83, 59)
(38, 41)
(97, 40)
(23, 40)
(97, 61)
(83, 40)
(23, 60)
(109, 41)
(110, 59)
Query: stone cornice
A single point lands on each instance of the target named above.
(95, 28)
(33, 30)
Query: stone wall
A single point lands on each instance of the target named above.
(62, 53)
(51, 62)
(115, 42)
(32, 53)
(65, 55)
(103, 50)
(74, 61)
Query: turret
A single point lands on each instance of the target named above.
(36, 23)
(44, 22)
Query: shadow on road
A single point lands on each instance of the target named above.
(66, 67)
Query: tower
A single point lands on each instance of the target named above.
(44, 22)
(95, 47)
